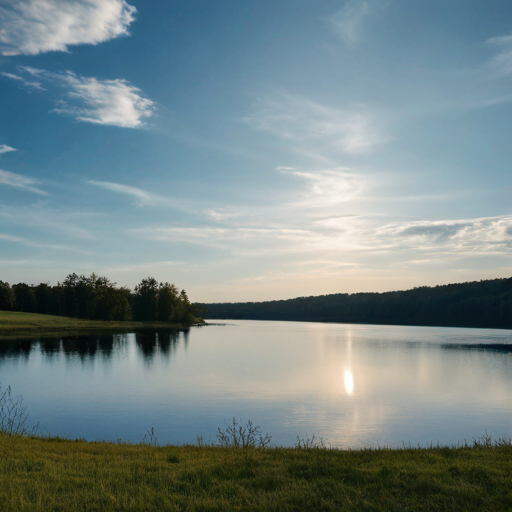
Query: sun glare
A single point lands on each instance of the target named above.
(349, 382)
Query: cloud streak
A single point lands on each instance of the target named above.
(350, 237)
(22, 81)
(143, 197)
(483, 235)
(348, 21)
(21, 182)
(328, 187)
(90, 100)
(41, 216)
(30, 243)
(502, 62)
(30, 27)
(315, 127)
(5, 149)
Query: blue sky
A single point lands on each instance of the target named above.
(256, 150)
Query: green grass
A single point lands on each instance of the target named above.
(38, 474)
(25, 325)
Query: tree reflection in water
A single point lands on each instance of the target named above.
(19, 348)
(158, 342)
(86, 348)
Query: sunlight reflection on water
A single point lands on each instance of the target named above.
(355, 385)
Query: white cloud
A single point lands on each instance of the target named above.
(142, 196)
(502, 62)
(23, 81)
(30, 27)
(240, 239)
(41, 216)
(145, 198)
(292, 236)
(21, 182)
(329, 187)
(6, 149)
(348, 21)
(500, 40)
(487, 234)
(350, 238)
(30, 243)
(221, 214)
(316, 128)
(108, 102)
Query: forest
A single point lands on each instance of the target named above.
(473, 304)
(97, 298)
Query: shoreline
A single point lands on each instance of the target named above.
(16, 325)
(336, 322)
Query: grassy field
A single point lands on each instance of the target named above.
(59, 475)
(25, 325)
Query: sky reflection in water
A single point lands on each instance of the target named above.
(355, 385)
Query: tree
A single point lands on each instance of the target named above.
(24, 299)
(85, 296)
(168, 302)
(69, 295)
(112, 303)
(97, 298)
(5, 296)
(43, 293)
(146, 300)
(185, 309)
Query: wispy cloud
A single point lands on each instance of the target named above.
(329, 187)
(43, 217)
(5, 149)
(315, 127)
(143, 197)
(482, 235)
(31, 243)
(239, 240)
(145, 266)
(348, 21)
(90, 100)
(31, 27)
(502, 62)
(24, 82)
(350, 238)
(146, 198)
(222, 214)
(21, 182)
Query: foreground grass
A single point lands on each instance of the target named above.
(25, 325)
(50, 474)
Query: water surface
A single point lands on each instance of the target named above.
(355, 385)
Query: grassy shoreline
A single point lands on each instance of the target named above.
(62, 475)
(15, 325)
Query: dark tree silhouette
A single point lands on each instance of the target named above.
(475, 304)
(5, 296)
(146, 300)
(168, 303)
(97, 298)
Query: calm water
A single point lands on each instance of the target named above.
(355, 385)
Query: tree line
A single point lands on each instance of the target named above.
(473, 304)
(97, 298)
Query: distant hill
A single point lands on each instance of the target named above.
(474, 304)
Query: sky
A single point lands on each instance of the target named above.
(250, 151)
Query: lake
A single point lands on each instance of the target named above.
(354, 385)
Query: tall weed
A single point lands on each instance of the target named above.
(14, 418)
